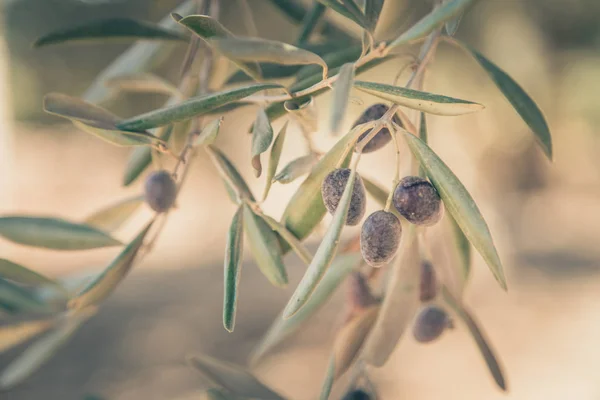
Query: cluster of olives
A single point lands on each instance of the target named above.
(160, 191)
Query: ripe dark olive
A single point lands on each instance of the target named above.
(382, 138)
(417, 200)
(160, 191)
(380, 238)
(428, 284)
(357, 394)
(430, 324)
(359, 292)
(332, 189)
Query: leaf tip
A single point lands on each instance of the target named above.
(177, 17)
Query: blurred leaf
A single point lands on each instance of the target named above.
(274, 158)
(112, 217)
(13, 334)
(190, 108)
(347, 11)
(334, 59)
(424, 138)
(310, 21)
(209, 134)
(262, 136)
(265, 248)
(229, 174)
(341, 95)
(417, 100)
(53, 233)
(459, 204)
(520, 101)
(15, 299)
(144, 83)
(218, 394)
(289, 238)
(482, 343)
(296, 168)
(431, 21)
(451, 25)
(329, 379)
(400, 302)
(141, 157)
(233, 256)
(24, 276)
(104, 284)
(304, 112)
(281, 328)
(377, 192)
(325, 253)
(232, 378)
(372, 11)
(463, 251)
(296, 12)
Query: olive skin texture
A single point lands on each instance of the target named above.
(332, 189)
(357, 394)
(428, 283)
(383, 137)
(380, 238)
(160, 191)
(418, 201)
(430, 324)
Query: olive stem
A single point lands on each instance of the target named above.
(388, 202)
(356, 132)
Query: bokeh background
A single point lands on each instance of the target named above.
(545, 217)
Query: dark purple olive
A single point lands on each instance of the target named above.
(417, 200)
(357, 394)
(359, 292)
(332, 189)
(430, 324)
(428, 284)
(160, 191)
(383, 137)
(380, 238)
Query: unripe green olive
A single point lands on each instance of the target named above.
(428, 284)
(357, 394)
(417, 200)
(380, 238)
(383, 137)
(332, 189)
(430, 324)
(160, 191)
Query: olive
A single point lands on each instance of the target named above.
(428, 284)
(357, 394)
(380, 238)
(359, 292)
(160, 191)
(430, 324)
(332, 189)
(382, 138)
(417, 200)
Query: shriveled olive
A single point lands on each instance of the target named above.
(430, 324)
(160, 191)
(332, 189)
(382, 138)
(417, 200)
(380, 238)
(428, 284)
(357, 394)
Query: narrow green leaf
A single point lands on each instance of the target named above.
(310, 21)
(233, 378)
(341, 95)
(417, 100)
(53, 233)
(262, 136)
(334, 59)
(274, 157)
(233, 256)
(218, 394)
(463, 251)
(424, 137)
(346, 11)
(192, 107)
(15, 299)
(295, 169)
(431, 21)
(288, 238)
(13, 333)
(482, 343)
(451, 25)
(329, 380)
(230, 174)
(209, 134)
(105, 283)
(24, 276)
(324, 255)
(372, 11)
(111, 218)
(265, 248)
(281, 328)
(141, 157)
(143, 83)
(304, 112)
(293, 10)
(459, 204)
(520, 100)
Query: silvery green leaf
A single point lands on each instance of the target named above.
(265, 248)
(482, 343)
(141, 157)
(234, 248)
(13, 333)
(348, 11)
(459, 204)
(274, 157)
(293, 10)
(143, 83)
(111, 218)
(310, 21)
(451, 25)
(218, 394)
(24, 276)
(295, 169)
(288, 238)
(463, 251)
(262, 136)
(209, 133)
(304, 112)
(54, 233)
(372, 11)
(329, 380)
(417, 100)
(230, 175)
(341, 95)
(15, 299)
(233, 378)
(107, 281)
(334, 59)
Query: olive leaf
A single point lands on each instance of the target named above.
(372, 10)
(111, 218)
(417, 100)
(234, 183)
(54, 233)
(348, 9)
(310, 21)
(274, 157)
(265, 248)
(288, 238)
(341, 94)
(334, 59)
(16, 299)
(193, 107)
(13, 333)
(24, 276)
(218, 394)
(233, 378)
(209, 133)
(141, 157)
(463, 251)
(304, 112)
(293, 10)
(262, 136)
(519, 99)
(233, 264)
(451, 26)
(329, 380)
(479, 337)
(104, 284)
(400, 303)
(295, 169)
(431, 21)
(143, 83)
(325, 253)
(281, 328)
(459, 204)
(423, 136)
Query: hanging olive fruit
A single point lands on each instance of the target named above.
(380, 238)
(428, 284)
(357, 394)
(332, 189)
(430, 324)
(418, 201)
(160, 191)
(382, 138)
